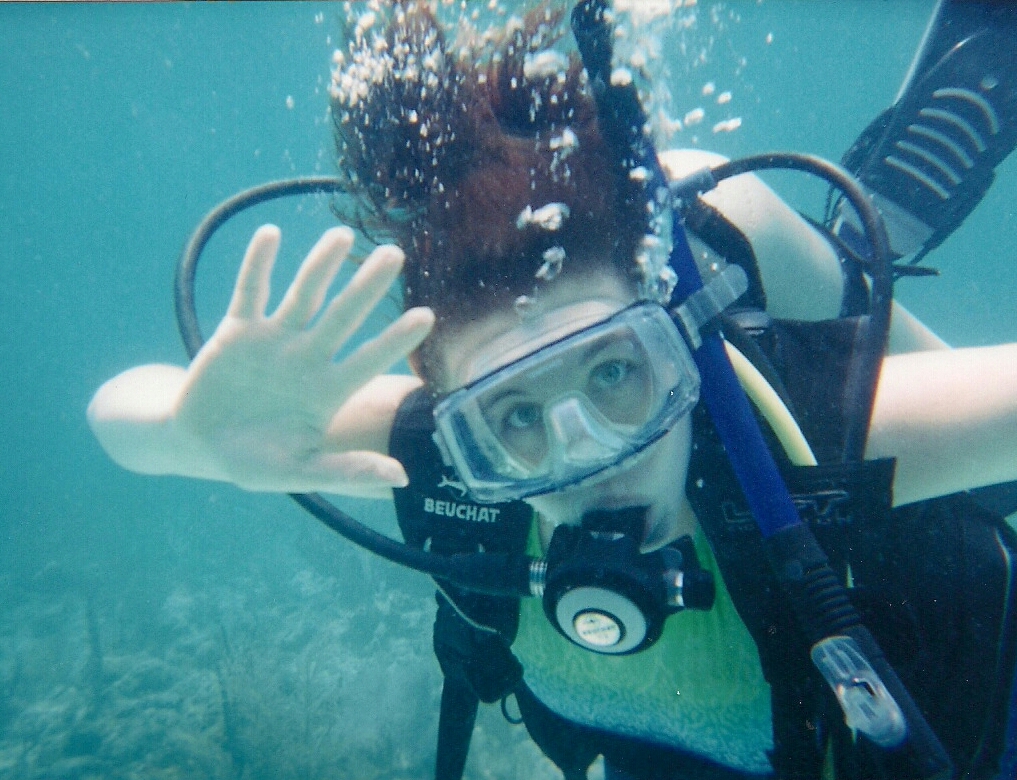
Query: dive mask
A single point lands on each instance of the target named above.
(571, 409)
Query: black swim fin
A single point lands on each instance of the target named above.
(929, 159)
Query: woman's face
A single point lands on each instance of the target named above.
(654, 478)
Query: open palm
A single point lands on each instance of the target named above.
(264, 395)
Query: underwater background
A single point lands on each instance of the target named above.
(167, 628)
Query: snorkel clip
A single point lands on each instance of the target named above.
(698, 313)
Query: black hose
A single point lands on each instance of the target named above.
(187, 267)
(499, 575)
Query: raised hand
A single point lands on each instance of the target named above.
(264, 405)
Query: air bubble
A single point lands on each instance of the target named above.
(524, 306)
(728, 125)
(695, 116)
(554, 259)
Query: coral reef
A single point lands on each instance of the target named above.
(239, 680)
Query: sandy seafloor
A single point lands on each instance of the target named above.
(162, 628)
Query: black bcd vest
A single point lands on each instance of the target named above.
(933, 582)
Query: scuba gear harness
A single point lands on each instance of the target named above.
(494, 573)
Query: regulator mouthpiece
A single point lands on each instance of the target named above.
(602, 594)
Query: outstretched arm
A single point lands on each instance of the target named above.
(950, 419)
(800, 270)
(264, 405)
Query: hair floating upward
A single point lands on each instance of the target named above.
(479, 153)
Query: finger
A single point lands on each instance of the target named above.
(382, 352)
(307, 292)
(350, 308)
(250, 295)
(352, 473)
(357, 471)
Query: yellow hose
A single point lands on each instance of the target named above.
(772, 408)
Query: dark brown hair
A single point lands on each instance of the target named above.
(445, 143)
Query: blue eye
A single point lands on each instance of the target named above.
(522, 416)
(610, 373)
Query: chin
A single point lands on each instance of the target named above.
(663, 525)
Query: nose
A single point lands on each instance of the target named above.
(579, 437)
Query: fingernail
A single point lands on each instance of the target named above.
(391, 474)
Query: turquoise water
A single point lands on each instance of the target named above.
(158, 627)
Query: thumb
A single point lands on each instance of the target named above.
(355, 472)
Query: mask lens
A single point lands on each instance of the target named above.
(619, 382)
(577, 395)
(519, 428)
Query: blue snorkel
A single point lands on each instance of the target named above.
(874, 701)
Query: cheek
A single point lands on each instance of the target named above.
(668, 459)
(669, 516)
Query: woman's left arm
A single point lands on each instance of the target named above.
(950, 419)
(800, 270)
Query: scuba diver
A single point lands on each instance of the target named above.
(570, 412)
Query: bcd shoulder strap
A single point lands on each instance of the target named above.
(472, 631)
